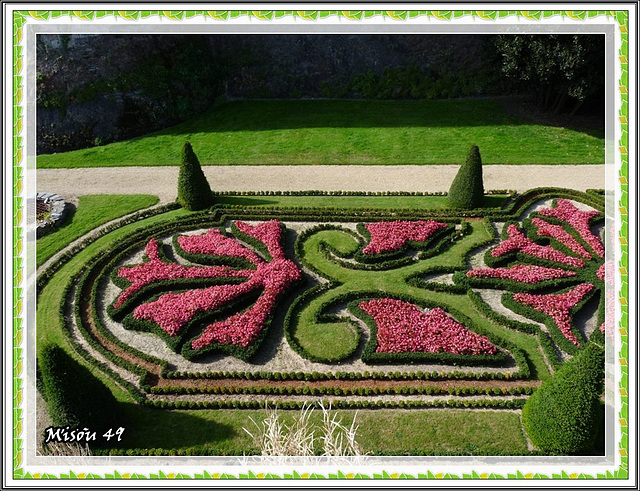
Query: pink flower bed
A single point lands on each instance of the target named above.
(522, 273)
(558, 306)
(518, 242)
(242, 329)
(546, 229)
(172, 311)
(392, 236)
(578, 219)
(156, 270)
(404, 327)
(269, 233)
(215, 243)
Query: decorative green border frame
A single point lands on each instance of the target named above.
(19, 20)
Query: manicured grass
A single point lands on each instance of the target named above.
(382, 202)
(464, 432)
(347, 133)
(93, 211)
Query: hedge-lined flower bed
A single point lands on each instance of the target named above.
(392, 236)
(522, 273)
(403, 327)
(557, 306)
(552, 281)
(173, 311)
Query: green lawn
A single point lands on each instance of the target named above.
(441, 431)
(92, 211)
(347, 132)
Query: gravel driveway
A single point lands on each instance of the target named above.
(162, 181)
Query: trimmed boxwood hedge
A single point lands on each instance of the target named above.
(563, 414)
(209, 259)
(557, 336)
(467, 189)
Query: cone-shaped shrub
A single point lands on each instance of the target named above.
(563, 415)
(467, 190)
(74, 396)
(194, 192)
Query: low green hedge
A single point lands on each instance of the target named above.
(347, 391)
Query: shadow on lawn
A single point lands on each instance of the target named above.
(167, 429)
(265, 115)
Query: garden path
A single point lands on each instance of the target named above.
(162, 181)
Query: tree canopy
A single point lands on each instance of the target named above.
(555, 67)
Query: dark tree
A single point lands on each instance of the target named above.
(194, 192)
(467, 189)
(557, 68)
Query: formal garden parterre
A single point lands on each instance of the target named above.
(239, 306)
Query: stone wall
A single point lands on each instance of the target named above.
(95, 89)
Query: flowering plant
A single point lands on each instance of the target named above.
(172, 311)
(404, 327)
(392, 236)
(539, 274)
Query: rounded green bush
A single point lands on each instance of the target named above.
(467, 189)
(73, 395)
(563, 415)
(194, 192)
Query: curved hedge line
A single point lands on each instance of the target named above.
(44, 277)
(216, 217)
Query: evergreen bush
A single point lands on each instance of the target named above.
(467, 189)
(75, 398)
(563, 415)
(194, 192)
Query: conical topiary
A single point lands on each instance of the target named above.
(194, 192)
(467, 189)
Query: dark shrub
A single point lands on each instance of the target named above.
(467, 190)
(194, 192)
(563, 415)
(74, 396)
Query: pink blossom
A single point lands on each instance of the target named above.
(392, 236)
(578, 219)
(214, 243)
(558, 306)
(156, 270)
(522, 273)
(403, 327)
(172, 311)
(518, 242)
(269, 233)
(557, 232)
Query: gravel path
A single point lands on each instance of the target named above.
(162, 181)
